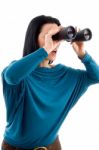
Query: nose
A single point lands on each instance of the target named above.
(56, 42)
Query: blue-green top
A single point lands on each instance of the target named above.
(38, 99)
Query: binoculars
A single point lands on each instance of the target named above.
(71, 35)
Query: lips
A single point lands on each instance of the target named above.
(54, 51)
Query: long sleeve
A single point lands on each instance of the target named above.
(19, 69)
(92, 69)
(44, 97)
(84, 78)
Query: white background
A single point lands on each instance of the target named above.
(80, 129)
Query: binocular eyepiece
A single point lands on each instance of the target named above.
(71, 35)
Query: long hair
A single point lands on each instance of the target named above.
(33, 30)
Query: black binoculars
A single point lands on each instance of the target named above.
(71, 35)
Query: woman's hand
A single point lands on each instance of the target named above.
(78, 47)
(50, 45)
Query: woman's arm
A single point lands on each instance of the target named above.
(18, 70)
(92, 68)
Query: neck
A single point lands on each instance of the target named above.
(45, 64)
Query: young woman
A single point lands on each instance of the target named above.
(38, 95)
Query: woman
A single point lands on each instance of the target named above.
(39, 95)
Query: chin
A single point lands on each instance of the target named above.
(52, 56)
(52, 59)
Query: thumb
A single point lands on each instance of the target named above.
(57, 45)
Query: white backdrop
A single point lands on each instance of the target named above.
(80, 129)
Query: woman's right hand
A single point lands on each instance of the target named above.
(50, 45)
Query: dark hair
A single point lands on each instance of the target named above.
(33, 30)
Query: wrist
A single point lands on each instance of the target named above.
(48, 51)
(82, 54)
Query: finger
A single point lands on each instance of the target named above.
(71, 42)
(61, 40)
(77, 29)
(54, 31)
(61, 27)
(56, 45)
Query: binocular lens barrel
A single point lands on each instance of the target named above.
(83, 35)
(66, 33)
(70, 34)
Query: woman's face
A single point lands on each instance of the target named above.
(41, 38)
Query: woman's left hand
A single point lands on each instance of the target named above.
(78, 47)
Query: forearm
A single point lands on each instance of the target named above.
(21, 68)
(92, 67)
